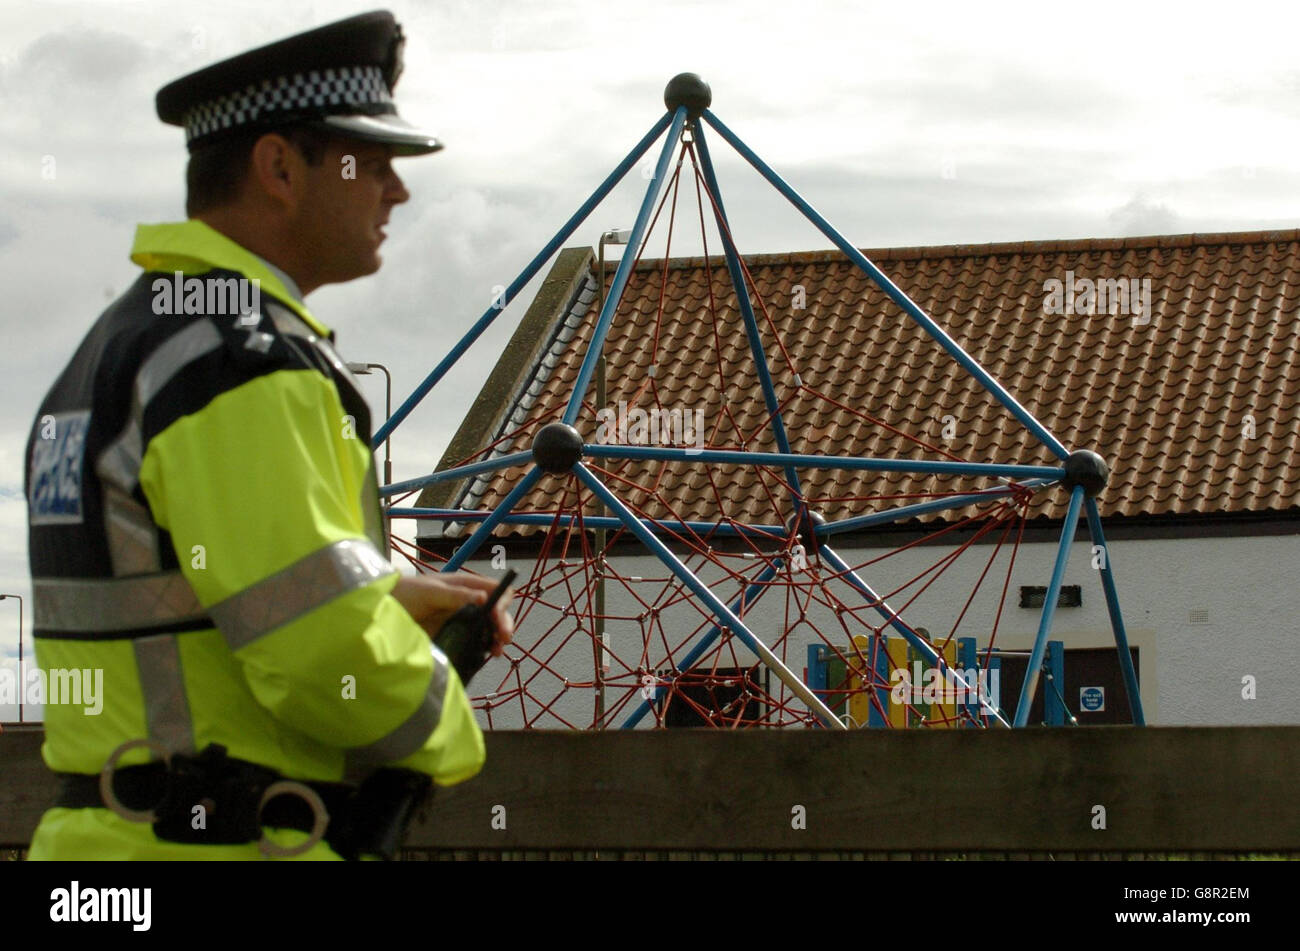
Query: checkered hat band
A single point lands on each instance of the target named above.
(320, 92)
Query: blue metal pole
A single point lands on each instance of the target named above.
(773, 533)
(747, 597)
(747, 313)
(815, 461)
(920, 508)
(518, 284)
(893, 291)
(484, 531)
(460, 472)
(1049, 608)
(723, 613)
(761, 532)
(1053, 707)
(875, 717)
(1116, 617)
(616, 288)
(949, 675)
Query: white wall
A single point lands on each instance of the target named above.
(1191, 673)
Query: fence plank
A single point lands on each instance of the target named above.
(1163, 789)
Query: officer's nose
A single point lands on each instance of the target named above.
(395, 193)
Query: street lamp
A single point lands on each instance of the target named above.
(19, 598)
(613, 236)
(364, 369)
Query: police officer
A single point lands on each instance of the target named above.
(204, 520)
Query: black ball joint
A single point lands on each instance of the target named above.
(807, 528)
(556, 447)
(689, 90)
(1085, 468)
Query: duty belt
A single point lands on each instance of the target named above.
(216, 799)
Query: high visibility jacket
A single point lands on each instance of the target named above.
(204, 526)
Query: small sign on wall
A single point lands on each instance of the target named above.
(1092, 699)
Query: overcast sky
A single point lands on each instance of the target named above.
(905, 125)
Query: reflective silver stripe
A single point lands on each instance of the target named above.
(162, 683)
(172, 356)
(119, 464)
(131, 533)
(332, 355)
(108, 605)
(408, 737)
(305, 585)
(289, 323)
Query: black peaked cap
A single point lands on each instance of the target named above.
(339, 77)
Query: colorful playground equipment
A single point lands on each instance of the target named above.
(740, 596)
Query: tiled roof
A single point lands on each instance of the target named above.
(1197, 410)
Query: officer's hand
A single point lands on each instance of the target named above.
(432, 598)
(504, 622)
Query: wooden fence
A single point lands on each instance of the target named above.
(867, 793)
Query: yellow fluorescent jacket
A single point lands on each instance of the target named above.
(204, 527)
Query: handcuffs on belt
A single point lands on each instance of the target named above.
(211, 798)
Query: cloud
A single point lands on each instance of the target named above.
(1141, 217)
(68, 88)
(85, 59)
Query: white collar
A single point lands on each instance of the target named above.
(289, 283)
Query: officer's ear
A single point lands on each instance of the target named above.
(277, 170)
